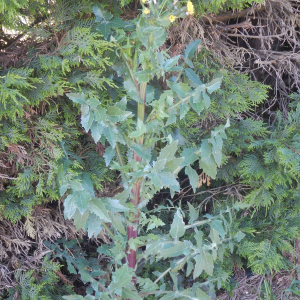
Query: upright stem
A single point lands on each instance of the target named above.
(132, 230)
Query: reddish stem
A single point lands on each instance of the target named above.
(132, 230)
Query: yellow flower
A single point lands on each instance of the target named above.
(144, 1)
(146, 11)
(172, 18)
(190, 8)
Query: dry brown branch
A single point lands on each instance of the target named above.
(234, 14)
(18, 249)
(262, 40)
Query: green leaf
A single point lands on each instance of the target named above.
(97, 207)
(214, 85)
(77, 98)
(155, 180)
(199, 238)
(182, 89)
(207, 162)
(184, 108)
(169, 296)
(177, 227)
(94, 225)
(169, 151)
(115, 114)
(140, 130)
(191, 48)
(175, 251)
(104, 28)
(87, 121)
(121, 277)
(93, 102)
(217, 144)
(221, 250)
(87, 183)
(70, 207)
(168, 96)
(80, 219)
(202, 295)
(218, 226)
(114, 205)
(104, 250)
(149, 35)
(206, 99)
(100, 114)
(143, 76)
(82, 200)
(116, 22)
(135, 243)
(190, 156)
(193, 213)
(214, 236)
(159, 165)
(189, 268)
(110, 133)
(199, 266)
(145, 153)
(172, 117)
(193, 177)
(193, 76)
(97, 130)
(129, 294)
(146, 285)
(149, 93)
(230, 244)
(169, 63)
(173, 165)
(204, 261)
(167, 179)
(154, 223)
(239, 236)
(117, 223)
(131, 89)
(208, 263)
(100, 13)
(198, 106)
(197, 95)
(189, 63)
(175, 280)
(109, 154)
(158, 36)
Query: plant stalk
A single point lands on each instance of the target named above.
(132, 230)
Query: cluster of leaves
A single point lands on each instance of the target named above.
(199, 252)
(138, 64)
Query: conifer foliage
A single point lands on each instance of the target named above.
(95, 98)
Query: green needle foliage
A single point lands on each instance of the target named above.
(37, 123)
(38, 284)
(95, 79)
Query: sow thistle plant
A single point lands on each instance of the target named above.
(142, 148)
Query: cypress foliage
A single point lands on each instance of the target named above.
(44, 150)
